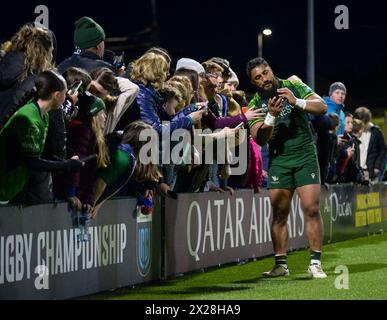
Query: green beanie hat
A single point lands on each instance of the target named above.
(88, 33)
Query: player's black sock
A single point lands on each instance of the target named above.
(280, 259)
(315, 256)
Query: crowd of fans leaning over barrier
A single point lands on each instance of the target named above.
(72, 131)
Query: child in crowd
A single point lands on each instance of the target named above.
(85, 139)
(117, 93)
(333, 149)
(127, 169)
(23, 137)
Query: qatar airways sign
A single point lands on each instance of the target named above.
(209, 229)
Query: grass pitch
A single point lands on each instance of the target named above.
(365, 259)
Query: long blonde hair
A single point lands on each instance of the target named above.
(37, 45)
(150, 68)
(103, 154)
(185, 87)
(107, 79)
(142, 172)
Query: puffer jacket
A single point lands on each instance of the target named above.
(11, 90)
(86, 60)
(148, 107)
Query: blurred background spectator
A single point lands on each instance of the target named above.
(29, 52)
(372, 147)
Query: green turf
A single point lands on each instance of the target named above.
(365, 258)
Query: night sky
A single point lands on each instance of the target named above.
(202, 29)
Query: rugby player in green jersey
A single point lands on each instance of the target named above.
(293, 164)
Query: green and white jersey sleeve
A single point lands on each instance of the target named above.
(291, 132)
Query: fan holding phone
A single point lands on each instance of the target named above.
(85, 140)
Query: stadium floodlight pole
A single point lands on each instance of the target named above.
(264, 32)
(310, 78)
(154, 13)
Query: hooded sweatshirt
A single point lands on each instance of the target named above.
(338, 109)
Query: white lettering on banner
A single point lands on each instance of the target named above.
(28, 252)
(15, 257)
(117, 233)
(98, 247)
(68, 251)
(60, 252)
(218, 203)
(292, 217)
(336, 209)
(90, 250)
(78, 247)
(239, 218)
(9, 259)
(194, 253)
(122, 242)
(19, 261)
(301, 226)
(261, 219)
(208, 231)
(233, 223)
(296, 210)
(50, 250)
(41, 242)
(253, 224)
(228, 227)
(267, 214)
(105, 256)
(84, 255)
(112, 244)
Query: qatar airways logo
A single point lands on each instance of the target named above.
(222, 225)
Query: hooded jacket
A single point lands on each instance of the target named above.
(148, 107)
(11, 90)
(338, 109)
(86, 60)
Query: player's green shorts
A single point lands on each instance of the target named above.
(294, 170)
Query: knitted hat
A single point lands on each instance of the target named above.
(224, 64)
(234, 78)
(88, 33)
(337, 86)
(190, 64)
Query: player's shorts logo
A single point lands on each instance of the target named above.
(275, 179)
(144, 243)
(313, 175)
